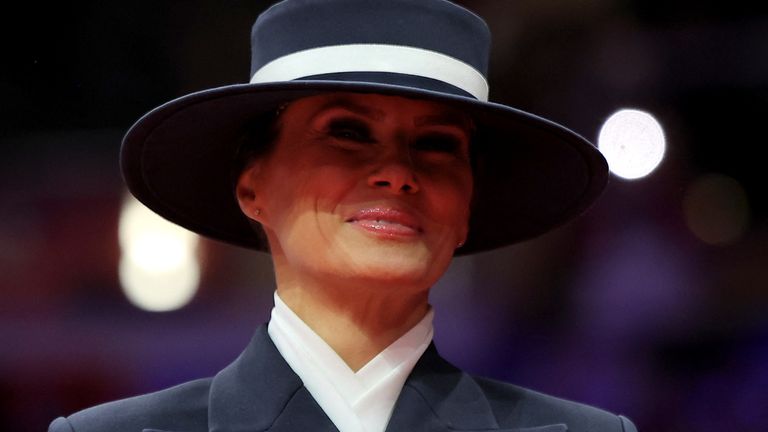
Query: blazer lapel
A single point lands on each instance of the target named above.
(260, 392)
(438, 397)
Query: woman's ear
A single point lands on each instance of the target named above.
(246, 191)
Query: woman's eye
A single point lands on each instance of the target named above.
(439, 144)
(349, 130)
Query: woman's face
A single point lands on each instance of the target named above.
(363, 188)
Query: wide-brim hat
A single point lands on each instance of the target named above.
(530, 174)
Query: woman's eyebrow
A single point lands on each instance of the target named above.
(445, 118)
(353, 107)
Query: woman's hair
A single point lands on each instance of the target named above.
(257, 141)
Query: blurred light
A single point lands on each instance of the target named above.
(160, 291)
(159, 268)
(633, 143)
(716, 209)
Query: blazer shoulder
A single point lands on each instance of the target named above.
(182, 407)
(515, 405)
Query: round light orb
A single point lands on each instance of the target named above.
(159, 267)
(632, 142)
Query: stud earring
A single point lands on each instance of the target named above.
(280, 110)
(460, 244)
(257, 212)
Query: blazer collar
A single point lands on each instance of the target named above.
(438, 397)
(260, 392)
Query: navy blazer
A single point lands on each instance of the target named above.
(260, 392)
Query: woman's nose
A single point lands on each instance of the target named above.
(395, 173)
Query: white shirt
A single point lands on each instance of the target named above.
(354, 401)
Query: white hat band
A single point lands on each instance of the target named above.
(375, 58)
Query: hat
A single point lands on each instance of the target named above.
(531, 175)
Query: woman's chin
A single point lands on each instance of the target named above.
(368, 260)
(397, 264)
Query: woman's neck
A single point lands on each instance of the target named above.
(358, 323)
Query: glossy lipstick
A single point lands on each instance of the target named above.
(387, 222)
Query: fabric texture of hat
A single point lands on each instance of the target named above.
(531, 175)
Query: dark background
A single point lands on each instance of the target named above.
(625, 308)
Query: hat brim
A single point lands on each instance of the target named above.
(531, 174)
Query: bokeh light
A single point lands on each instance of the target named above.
(716, 209)
(159, 267)
(633, 143)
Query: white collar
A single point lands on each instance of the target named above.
(354, 402)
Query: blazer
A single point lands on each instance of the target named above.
(260, 392)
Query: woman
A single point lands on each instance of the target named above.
(363, 156)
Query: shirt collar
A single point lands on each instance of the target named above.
(353, 401)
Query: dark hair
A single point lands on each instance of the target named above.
(257, 141)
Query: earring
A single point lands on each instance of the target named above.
(280, 110)
(460, 244)
(257, 212)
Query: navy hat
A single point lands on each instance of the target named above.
(531, 174)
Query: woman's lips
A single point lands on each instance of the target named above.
(386, 221)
